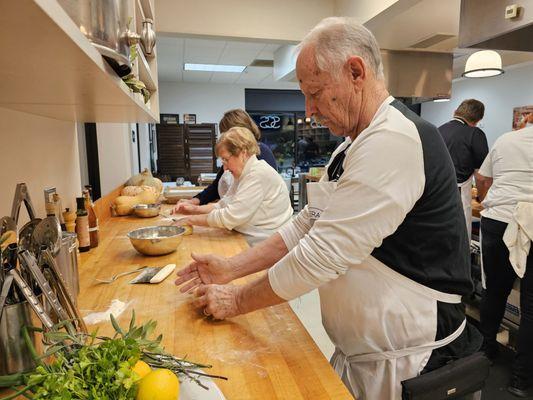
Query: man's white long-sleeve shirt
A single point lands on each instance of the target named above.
(396, 202)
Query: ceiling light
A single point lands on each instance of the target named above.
(213, 67)
(483, 64)
(440, 100)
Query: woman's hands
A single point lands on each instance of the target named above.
(186, 206)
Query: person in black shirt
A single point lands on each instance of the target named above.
(467, 145)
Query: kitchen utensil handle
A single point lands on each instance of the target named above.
(30, 263)
(63, 291)
(22, 195)
(33, 301)
(161, 275)
(115, 277)
(6, 286)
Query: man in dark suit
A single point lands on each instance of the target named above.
(468, 148)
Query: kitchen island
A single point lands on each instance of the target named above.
(266, 354)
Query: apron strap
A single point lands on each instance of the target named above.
(393, 354)
(411, 284)
(336, 169)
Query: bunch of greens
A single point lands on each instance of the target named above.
(135, 85)
(95, 367)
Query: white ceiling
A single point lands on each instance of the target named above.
(173, 52)
(397, 28)
(426, 18)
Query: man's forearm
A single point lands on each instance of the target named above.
(483, 185)
(259, 257)
(257, 294)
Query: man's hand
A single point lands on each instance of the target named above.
(204, 270)
(220, 301)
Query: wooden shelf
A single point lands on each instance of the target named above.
(50, 68)
(139, 16)
(145, 74)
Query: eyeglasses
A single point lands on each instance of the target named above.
(225, 160)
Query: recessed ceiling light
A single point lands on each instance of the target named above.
(213, 67)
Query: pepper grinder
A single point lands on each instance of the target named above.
(70, 220)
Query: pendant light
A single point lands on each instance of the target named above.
(483, 64)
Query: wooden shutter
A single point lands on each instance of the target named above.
(200, 149)
(171, 152)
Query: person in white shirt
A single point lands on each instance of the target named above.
(257, 204)
(506, 179)
(383, 237)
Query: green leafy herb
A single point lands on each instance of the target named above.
(96, 367)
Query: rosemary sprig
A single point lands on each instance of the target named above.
(88, 363)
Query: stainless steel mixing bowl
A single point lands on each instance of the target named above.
(156, 240)
(147, 210)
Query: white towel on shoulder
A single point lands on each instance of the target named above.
(518, 236)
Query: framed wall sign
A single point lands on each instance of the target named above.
(189, 118)
(519, 116)
(170, 119)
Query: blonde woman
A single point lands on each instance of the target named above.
(258, 203)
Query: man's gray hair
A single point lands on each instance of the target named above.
(335, 39)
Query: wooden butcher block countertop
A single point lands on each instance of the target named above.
(266, 354)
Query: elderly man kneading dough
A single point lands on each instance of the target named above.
(383, 237)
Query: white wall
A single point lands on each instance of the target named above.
(499, 94)
(208, 101)
(82, 150)
(114, 154)
(41, 152)
(144, 146)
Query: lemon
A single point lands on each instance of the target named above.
(160, 384)
(188, 230)
(141, 368)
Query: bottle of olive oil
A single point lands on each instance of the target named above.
(93, 218)
(82, 225)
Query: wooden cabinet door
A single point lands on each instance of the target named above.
(200, 149)
(171, 160)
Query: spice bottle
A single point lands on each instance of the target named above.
(70, 220)
(93, 219)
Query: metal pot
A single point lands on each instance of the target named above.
(105, 24)
(67, 261)
(14, 354)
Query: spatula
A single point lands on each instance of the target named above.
(154, 274)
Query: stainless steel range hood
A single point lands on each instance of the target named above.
(415, 74)
(483, 25)
(418, 74)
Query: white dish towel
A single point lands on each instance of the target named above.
(518, 237)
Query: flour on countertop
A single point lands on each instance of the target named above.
(116, 308)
